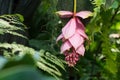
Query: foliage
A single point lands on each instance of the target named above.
(5, 26)
(13, 51)
(20, 69)
(43, 60)
(45, 29)
(105, 16)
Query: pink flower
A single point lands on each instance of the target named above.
(73, 36)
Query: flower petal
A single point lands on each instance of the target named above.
(59, 37)
(82, 33)
(76, 40)
(81, 29)
(64, 14)
(81, 50)
(65, 46)
(80, 24)
(84, 14)
(69, 28)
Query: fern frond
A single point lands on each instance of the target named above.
(54, 60)
(46, 68)
(50, 65)
(45, 61)
(50, 61)
(5, 27)
(16, 34)
(16, 48)
(53, 69)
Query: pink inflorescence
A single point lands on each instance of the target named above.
(73, 36)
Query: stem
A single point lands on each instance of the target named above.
(75, 5)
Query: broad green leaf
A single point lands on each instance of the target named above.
(20, 73)
(115, 4)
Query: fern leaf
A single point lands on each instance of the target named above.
(48, 56)
(44, 62)
(47, 69)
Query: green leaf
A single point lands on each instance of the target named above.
(26, 60)
(20, 73)
(3, 61)
(115, 4)
(111, 66)
(48, 62)
(21, 17)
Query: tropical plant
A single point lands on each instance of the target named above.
(28, 40)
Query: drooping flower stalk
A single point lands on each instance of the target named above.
(75, 6)
(73, 35)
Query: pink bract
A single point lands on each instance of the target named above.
(73, 36)
(65, 14)
(84, 14)
(69, 28)
(76, 40)
(65, 46)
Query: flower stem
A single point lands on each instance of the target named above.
(75, 7)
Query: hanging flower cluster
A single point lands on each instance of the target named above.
(73, 36)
